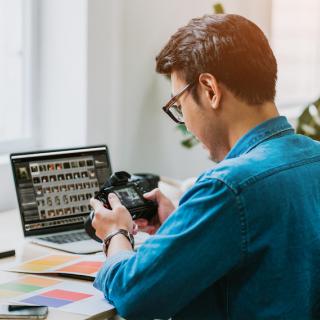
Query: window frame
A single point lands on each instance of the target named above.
(30, 79)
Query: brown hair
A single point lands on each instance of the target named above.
(228, 46)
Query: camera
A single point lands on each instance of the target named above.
(130, 190)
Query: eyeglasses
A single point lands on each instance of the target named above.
(172, 109)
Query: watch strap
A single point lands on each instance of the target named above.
(107, 240)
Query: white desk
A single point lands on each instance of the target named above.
(11, 235)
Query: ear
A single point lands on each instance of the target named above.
(211, 89)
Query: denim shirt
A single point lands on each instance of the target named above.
(244, 242)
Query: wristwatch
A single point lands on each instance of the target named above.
(126, 233)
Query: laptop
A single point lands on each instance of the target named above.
(54, 188)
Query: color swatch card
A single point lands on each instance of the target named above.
(76, 297)
(85, 267)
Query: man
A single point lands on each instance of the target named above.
(244, 242)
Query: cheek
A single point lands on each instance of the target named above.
(191, 117)
(190, 123)
(194, 121)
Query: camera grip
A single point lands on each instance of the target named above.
(89, 228)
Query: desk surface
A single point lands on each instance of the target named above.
(11, 236)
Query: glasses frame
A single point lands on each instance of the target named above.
(173, 101)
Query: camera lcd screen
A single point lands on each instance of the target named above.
(129, 197)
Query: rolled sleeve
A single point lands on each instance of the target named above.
(110, 263)
(185, 256)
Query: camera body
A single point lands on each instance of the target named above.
(130, 190)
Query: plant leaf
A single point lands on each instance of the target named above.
(218, 8)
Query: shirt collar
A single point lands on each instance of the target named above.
(264, 131)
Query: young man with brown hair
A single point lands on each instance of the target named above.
(244, 242)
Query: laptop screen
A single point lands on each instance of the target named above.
(54, 187)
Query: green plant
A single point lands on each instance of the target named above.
(309, 121)
(190, 140)
(218, 8)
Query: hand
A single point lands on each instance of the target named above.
(106, 221)
(165, 208)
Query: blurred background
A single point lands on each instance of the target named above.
(80, 72)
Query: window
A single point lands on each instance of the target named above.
(15, 76)
(296, 42)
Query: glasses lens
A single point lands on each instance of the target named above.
(175, 110)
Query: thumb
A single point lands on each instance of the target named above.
(114, 201)
(153, 195)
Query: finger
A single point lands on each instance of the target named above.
(153, 194)
(114, 201)
(135, 228)
(141, 223)
(96, 221)
(150, 229)
(153, 231)
(96, 204)
(155, 221)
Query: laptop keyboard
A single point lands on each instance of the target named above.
(67, 238)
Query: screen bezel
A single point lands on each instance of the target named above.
(44, 154)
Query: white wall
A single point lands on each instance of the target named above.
(62, 45)
(145, 139)
(104, 73)
(97, 84)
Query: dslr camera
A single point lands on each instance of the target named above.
(130, 190)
